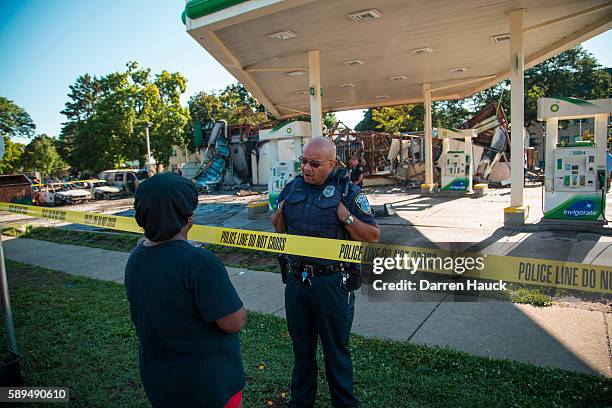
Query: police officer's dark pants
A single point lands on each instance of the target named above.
(322, 309)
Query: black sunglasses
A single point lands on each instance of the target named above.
(313, 163)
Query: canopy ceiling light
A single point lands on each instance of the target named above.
(422, 50)
(282, 35)
(365, 15)
(296, 73)
(354, 62)
(500, 37)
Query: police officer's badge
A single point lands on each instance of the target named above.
(329, 191)
(363, 204)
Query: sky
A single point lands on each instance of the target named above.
(45, 45)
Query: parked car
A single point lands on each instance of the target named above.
(127, 180)
(100, 189)
(61, 193)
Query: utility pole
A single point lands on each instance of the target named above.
(149, 124)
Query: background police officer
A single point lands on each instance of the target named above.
(318, 301)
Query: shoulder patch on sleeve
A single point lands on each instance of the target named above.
(362, 203)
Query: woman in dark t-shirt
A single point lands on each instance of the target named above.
(185, 309)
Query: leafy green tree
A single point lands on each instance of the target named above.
(234, 104)
(367, 123)
(242, 97)
(574, 73)
(405, 118)
(205, 107)
(14, 120)
(40, 155)
(170, 125)
(400, 118)
(450, 114)
(13, 152)
(107, 118)
(329, 120)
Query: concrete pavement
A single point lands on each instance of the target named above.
(564, 337)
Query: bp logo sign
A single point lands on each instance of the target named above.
(289, 130)
(554, 107)
(458, 185)
(582, 208)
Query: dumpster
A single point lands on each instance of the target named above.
(15, 188)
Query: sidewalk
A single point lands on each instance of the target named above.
(564, 337)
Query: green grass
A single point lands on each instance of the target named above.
(531, 296)
(76, 332)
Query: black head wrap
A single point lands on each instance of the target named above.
(163, 205)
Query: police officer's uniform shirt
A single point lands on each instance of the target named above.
(311, 210)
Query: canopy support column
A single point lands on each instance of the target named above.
(315, 91)
(428, 187)
(517, 213)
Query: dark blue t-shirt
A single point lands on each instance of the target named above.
(176, 293)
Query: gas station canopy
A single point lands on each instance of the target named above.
(378, 53)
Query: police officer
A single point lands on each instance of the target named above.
(318, 301)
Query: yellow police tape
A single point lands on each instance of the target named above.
(568, 275)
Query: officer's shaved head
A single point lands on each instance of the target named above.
(319, 160)
(322, 145)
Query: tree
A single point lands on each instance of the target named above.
(40, 155)
(367, 123)
(450, 114)
(406, 118)
(13, 152)
(234, 104)
(14, 120)
(240, 94)
(574, 73)
(107, 118)
(329, 121)
(205, 107)
(400, 118)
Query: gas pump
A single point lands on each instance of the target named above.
(456, 163)
(575, 173)
(286, 143)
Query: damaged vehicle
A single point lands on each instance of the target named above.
(100, 189)
(126, 180)
(61, 193)
(71, 194)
